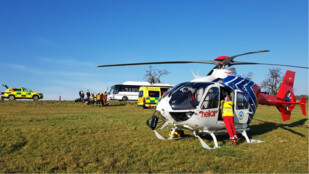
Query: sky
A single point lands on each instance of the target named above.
(55, 46)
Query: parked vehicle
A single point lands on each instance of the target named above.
(150, 95)
(21, 93)
(128, 90)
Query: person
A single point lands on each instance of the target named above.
(82, 96)
(101, 97)
(92, 98)
(98, 98)
(105, 98)
(228, 118)
(88, 95)
(196, 99)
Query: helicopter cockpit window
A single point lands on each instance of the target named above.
(211, 99)
(188, 96)
(242, 101)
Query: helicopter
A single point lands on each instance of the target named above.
(195, 105)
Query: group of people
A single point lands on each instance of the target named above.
(92, 98)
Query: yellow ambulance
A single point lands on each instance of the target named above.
(21, 93)
(149, 96)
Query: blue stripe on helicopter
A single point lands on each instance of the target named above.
(236, 82)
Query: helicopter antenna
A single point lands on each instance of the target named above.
(196, 75)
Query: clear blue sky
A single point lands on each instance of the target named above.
(55, 47)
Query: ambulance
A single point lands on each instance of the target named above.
(21, 93)
(149, 95)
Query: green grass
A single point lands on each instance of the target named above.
(51, 137)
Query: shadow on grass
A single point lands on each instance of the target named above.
(258, 130)
(270, 126)
(119, 104)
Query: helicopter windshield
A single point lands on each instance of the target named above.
(188, 96)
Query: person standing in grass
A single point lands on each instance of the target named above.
(82, 96)
(102, 99)
(228, 118)
(98, 98)
(105, 98)
(92, 98)
(88, 95)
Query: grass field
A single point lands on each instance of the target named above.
(62, 137)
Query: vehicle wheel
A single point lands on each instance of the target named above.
(11, 97)
(35, 98)
(125, 98)
(144, 106)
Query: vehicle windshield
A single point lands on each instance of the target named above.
(111, 90)
(188, 96)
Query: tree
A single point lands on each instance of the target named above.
(248, 76)
(154, 75)
(272, 82)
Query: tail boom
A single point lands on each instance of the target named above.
(284, 100)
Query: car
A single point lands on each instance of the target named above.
(21, 93)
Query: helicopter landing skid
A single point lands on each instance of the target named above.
(212, 133)
(169, 138)
(205, 146)
(244, 134)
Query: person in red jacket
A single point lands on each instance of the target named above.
(228, 118)
(105, 98)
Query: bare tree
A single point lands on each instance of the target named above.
(154, 75)
(272, 82)
(248, 76)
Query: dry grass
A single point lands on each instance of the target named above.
(70, 137)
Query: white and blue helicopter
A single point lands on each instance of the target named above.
(195, 105)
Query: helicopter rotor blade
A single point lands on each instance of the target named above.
(229, 60)
(166, 62)
(254, 63)
(252, 52)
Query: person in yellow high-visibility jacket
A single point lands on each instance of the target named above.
(98, 98)
(228, 118)
(92, 98)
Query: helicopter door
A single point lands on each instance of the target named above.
(241, 107)
(210, 105)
